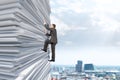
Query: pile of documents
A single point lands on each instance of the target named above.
(21, 39)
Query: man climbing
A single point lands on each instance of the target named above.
(52, 40)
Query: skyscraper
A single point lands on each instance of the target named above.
(79, 66)
(88, 67)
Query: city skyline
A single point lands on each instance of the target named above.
(87, 30)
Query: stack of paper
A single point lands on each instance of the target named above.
(21, 39)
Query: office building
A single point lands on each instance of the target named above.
(88, 67)
(79, 66)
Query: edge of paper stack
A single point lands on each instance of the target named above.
(21, 39)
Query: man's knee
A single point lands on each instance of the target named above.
(47, 41)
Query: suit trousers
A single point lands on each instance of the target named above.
(52, 47)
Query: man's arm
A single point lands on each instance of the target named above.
(47, 26)
(48, 34)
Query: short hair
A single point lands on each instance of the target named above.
(54, 25)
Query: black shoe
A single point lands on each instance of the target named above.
(52, 60)
(44, 50)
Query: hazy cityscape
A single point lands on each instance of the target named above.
(85, 71)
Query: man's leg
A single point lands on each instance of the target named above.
(46, 45)
(53, 51)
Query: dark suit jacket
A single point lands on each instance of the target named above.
(53, 34)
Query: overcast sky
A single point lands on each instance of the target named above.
(88, 30)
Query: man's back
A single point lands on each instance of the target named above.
(53, 33)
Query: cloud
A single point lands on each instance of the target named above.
(63, 28)
(78, 28)
(101, 9)
(65, 6)
(68, 43)
(98, 19)
(88, 24)
(117, 43)
(105, 22)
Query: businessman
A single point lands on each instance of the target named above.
(52, 40)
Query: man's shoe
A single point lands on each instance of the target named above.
(51, 60)
(44, 50)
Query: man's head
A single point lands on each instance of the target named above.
(53, 26)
